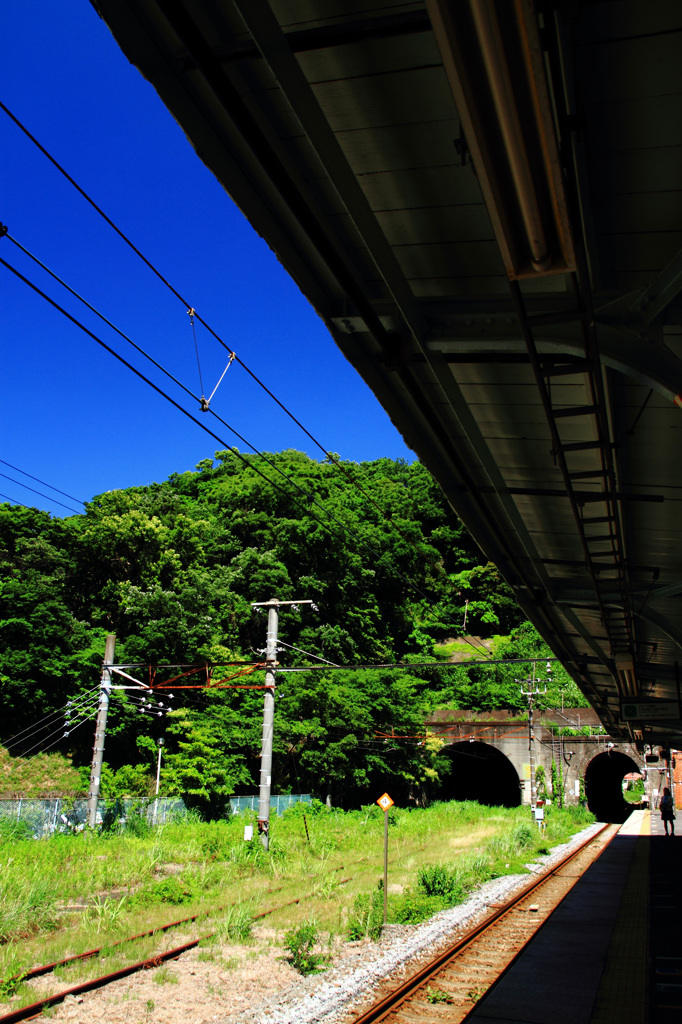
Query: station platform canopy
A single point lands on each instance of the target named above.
(483, 201)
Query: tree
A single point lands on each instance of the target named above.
(353, 733)
(203, 763)
(172, 568)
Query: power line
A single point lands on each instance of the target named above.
(330, 667)
(6, 476)
(17, 767)
(101, 316)
(158, 274)
(416, 664)
(37, 727)
(89, 712)
(308, 653)
(38, 480)
(15, 501)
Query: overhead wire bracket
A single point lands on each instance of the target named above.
(205, 402)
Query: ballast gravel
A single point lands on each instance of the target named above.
(350, 982)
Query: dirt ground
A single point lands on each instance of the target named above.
(205, 984)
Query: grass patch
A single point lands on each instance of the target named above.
(164, 976)
(128, 883)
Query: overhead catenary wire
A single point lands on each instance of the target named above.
(204, 404)
(154, 269)
(191, 314)
(175, 380)
(347, 530)
(343, 668)
(409, 665)
(326, 452)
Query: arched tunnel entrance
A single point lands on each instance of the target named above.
(603, 785)
(480, 772)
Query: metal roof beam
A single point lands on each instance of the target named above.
(296, 89)
(662, 291)
(619, 349)
(324, 37)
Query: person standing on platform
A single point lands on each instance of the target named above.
(667, 809)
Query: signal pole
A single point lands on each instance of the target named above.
(100, 730)
(273, 606)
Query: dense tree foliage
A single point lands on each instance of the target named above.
(172, 570)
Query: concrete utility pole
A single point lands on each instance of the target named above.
(530, 693)
(100, 730)
(273, 607)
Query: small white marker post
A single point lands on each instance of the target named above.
(385, 803)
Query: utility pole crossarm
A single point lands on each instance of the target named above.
(275, 603)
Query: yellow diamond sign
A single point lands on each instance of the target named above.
(385, 802)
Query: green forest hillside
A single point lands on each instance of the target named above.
(172, 569)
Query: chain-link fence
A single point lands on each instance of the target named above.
(44, 817)
(278, 804)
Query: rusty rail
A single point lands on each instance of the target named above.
(384, 1006)
(34, 1009)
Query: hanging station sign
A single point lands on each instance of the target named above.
(650, 710)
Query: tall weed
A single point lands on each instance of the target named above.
(236, 922)
(28, 902)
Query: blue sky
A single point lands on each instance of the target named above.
(73, 416)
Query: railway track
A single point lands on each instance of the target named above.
(31, 1010)
(448, 987)
(445, 988)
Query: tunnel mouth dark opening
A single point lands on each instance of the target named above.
(603, 786)
(482, 773)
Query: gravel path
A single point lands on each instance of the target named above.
(362, 965)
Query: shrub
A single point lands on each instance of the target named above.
(167, 890)
(440, 882)
(414, 907)
(300, 943)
